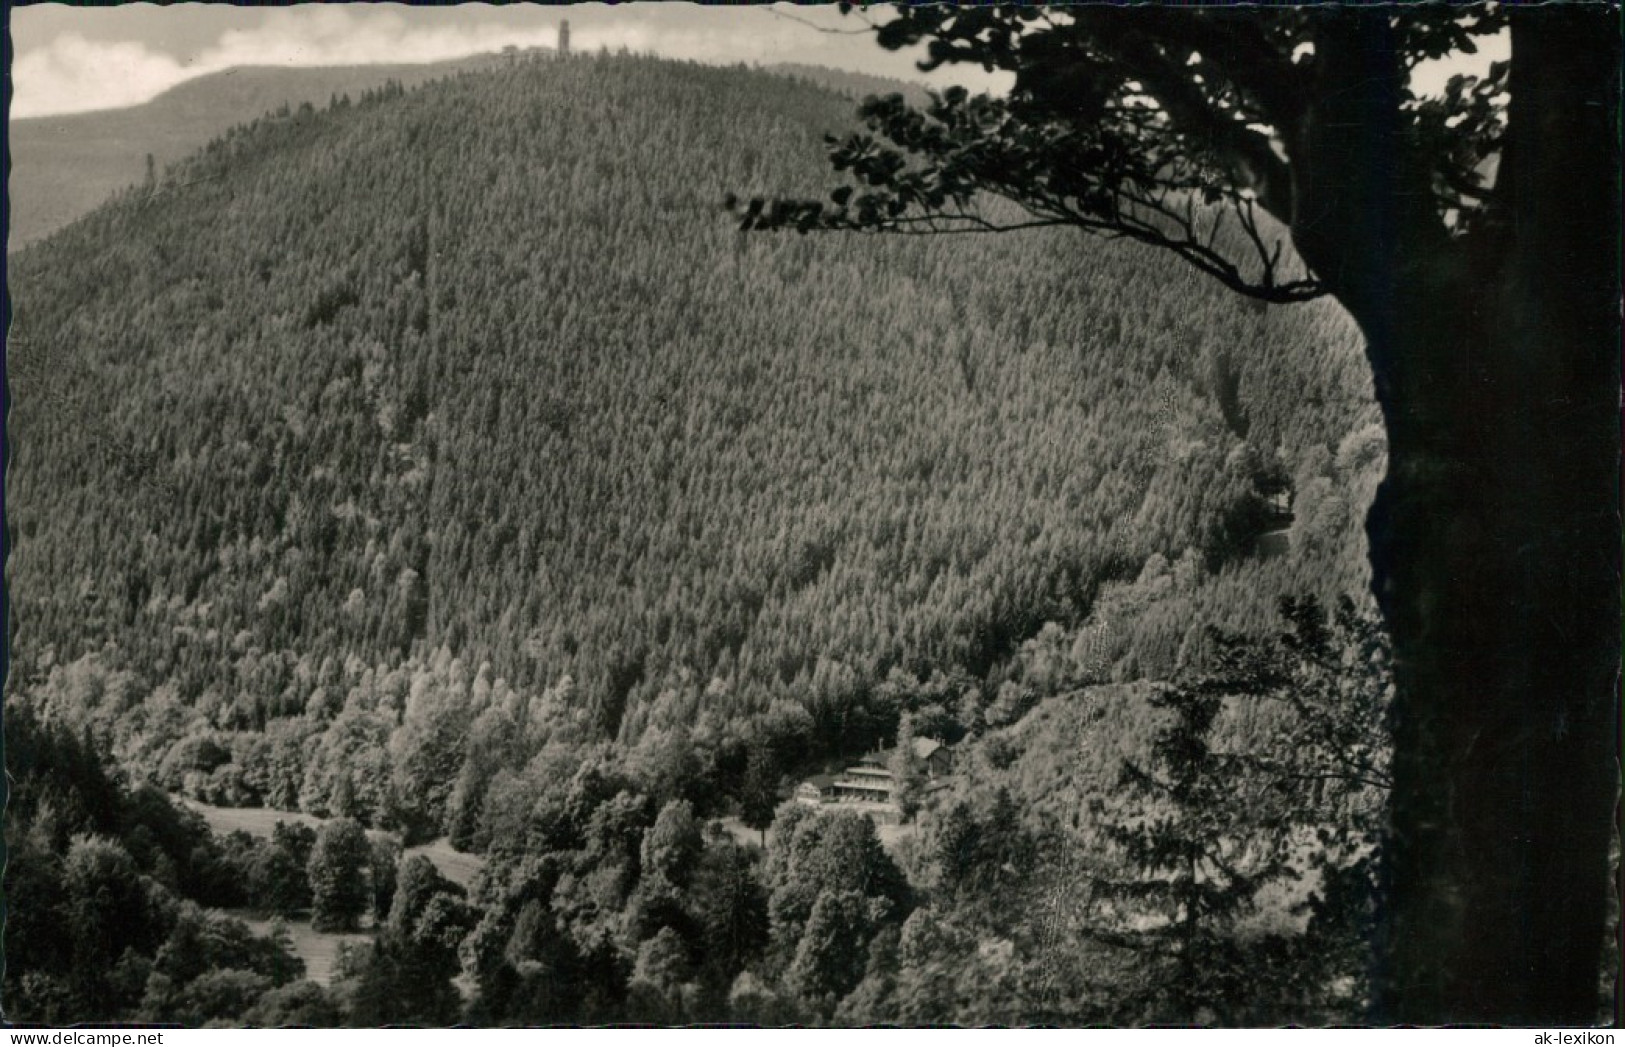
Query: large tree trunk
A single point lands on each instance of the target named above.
(1495, 543)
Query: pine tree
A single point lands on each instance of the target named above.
(830, 958)
(760, 794)
(907, 770)
(731, 907)
(1194, 863)
(386, 854)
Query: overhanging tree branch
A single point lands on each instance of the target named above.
(1122, 176)
(1246, 153)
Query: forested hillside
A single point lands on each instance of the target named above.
(481, 369)
(447, 461)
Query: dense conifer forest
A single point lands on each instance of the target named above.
(444, 462)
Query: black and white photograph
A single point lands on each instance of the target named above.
(829, 516)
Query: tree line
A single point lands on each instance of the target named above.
(1148, 882)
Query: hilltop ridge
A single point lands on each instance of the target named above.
(64, 165)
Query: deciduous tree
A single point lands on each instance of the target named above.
(281, 880)
(338, 876)
(829, 960)
(672, 845)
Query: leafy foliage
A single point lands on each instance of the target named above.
(338, 868)
(100, 925)
(1158, 125)
(280, 881)
(1220, 864)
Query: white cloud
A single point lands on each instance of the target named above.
(329, 35)
(74, 73)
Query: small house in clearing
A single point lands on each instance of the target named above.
(938, 757)
(815, 790)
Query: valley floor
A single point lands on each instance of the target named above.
(318, 949)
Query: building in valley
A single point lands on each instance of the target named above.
(870, 781)
(816, 790)
(867, 781)
(937, 757)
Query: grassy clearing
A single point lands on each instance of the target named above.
(742, 833)
(319, 949)
(893, 835)
(458, 867)
(255, 821)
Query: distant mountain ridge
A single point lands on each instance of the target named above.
(63, 166)
(853, 85)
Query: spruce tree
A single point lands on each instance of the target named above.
(759, 797)
(1193, 864)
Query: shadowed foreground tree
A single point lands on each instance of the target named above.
(1203, 832)
(1472, 236)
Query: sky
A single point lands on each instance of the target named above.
(74, 59)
